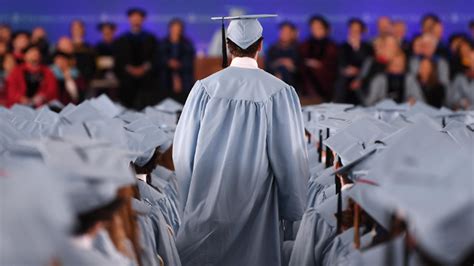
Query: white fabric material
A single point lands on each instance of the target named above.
(244, 62)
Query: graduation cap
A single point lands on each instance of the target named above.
(243, 31)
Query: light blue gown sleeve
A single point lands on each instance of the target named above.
(185, 138)
(287, 152)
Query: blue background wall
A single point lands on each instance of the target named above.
(55, 15)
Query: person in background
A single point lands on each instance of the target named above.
(471, 29)
(83, 51)
(384, 26)
(459, 48)
(319, 60)
(428, 21)
(7, 62)
(65, 45)
(400, 32)
(6, 34)
(385, 49)
(69, 82)
(177, 62)
(394, 84)
(352, 54)
(21, 40)
(461, 94)
(135, 63)
(282, 57)
(427, 49)
(437, 32)
(31, 82)
(433, 91)
(105, 80)
(40, 40)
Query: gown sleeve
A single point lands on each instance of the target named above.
(185, 139)
(287, 152)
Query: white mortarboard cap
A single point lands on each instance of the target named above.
(169, 105)
(105, 105)
(243, 31)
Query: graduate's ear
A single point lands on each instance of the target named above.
(260, 46)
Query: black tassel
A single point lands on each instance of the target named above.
(224, 46)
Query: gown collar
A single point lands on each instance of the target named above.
(244, 62)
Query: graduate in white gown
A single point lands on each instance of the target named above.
(241, 160)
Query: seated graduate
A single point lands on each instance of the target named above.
(7, 62)
(461, 93)
(39, 38)
(282, 57)
(352, 54)
(31, 83)
(400, 32)
(318, 60)
(240, 159)
(70, 84)
(177, 62)
(460, 46)
(395, 83)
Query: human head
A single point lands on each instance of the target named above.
(427, 22)
(176, 28)
(471, 28)
(251, 51)
(77, 29)
(356, 28)
(3, 48)
(136, 17)
(287, 33)
(397, 64)
(437, 30)
(107, 30)
(32, 56)
(62, 60)
(319, 27)
(384, 25)
(65, 45)
(399, 29)
(21, 41)
(390, 47)
(425, 70)
(5, 32)
(428, 45)
(38, 33)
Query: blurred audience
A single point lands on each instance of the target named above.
(177, 62)
(31, 83)
(282, 57)
(138, 70)
(136, 61)
(319, 60)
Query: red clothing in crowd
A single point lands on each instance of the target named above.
(16, 85)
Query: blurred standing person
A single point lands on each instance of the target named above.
(471, 29)
(427, 22)
(105, 80)
(135, 63)
(437, 32)
(40, 39)
(31, 82)
(177, 62)
(384, 26)
(21, 41)
(461, 94)
(433, 91)
(83, 51)
(282, 57)
(319, 60)
(70, 84)
(352, 54)
(400, 32)
(394, 84)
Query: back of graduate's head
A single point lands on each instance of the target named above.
(251, 51)
(89, 222)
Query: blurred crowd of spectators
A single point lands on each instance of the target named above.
(138, 70)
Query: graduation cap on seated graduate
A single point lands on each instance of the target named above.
(243, 31)
(36, 215)
(105, 105)
(23, 111)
